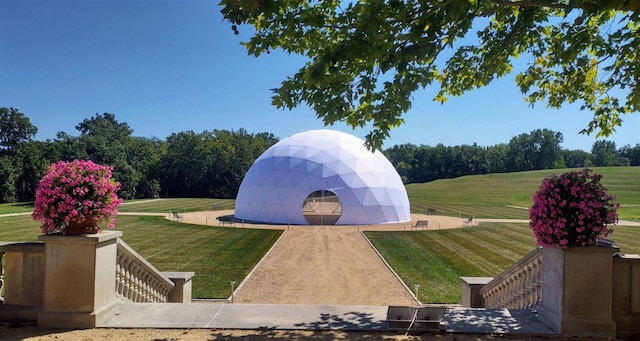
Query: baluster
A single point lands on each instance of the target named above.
(522, 288)
(119, 275)
(517, 290)
(147, 289)
(135, 281)
(513, 292)
(1, 278)
(490, 297)
(140, 280)
(153, 284)
(538, 279)
(502, 290)
(128, 280)
(531, 284)
(153, 289)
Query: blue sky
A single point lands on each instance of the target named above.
(169, 66)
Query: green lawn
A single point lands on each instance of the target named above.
(179, 205)
(217, 255)
(508, 195)
(437, 259)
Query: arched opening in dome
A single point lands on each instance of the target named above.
(322, 208)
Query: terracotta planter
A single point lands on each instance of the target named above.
(88, 226)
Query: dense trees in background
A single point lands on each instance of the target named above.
(213, 163)
(210, 164)
(187, 164)
(539, 149)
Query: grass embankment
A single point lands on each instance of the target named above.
(437, 259)
(508, 195)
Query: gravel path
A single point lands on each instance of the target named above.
(323, 265)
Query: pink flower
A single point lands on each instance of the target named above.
(77, 189)
(572, 209)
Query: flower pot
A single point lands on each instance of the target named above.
(87, 226)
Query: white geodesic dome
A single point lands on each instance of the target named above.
(276, 186)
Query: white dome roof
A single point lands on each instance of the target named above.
(276, 186)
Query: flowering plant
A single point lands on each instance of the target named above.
(79, 190)
(572, 209)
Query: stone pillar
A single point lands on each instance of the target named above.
(181, 292)
(471, 287)
(80, 277)
(577, 290)
(23, 285)
(24, 274)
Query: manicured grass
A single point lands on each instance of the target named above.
(146, 205)
(437, 259)
(217, 255)
(16, 207)
(508, 195)
(179, 205)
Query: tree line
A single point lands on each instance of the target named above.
(213, 163)
(539, 149)
(185, 164)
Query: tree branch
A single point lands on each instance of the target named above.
(525, 3)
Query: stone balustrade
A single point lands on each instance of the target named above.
(1, 277)
(626, 292)
(518, 287)
(137, 280)
(77, 281)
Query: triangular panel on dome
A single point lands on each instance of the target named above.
(370, 199)
(285, 180)
(268, 179)
(272, 197)
(300, 180)
(298, 166)
(330, 169)
(281, 164)
(383, 195)
(314, 169)
(295, 162)
(376, 214)
(298, 152)
(315, 183)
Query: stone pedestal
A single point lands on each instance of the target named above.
(182, 289)
(79, 279)
(24, 268)
(471, 287)
(576, 290)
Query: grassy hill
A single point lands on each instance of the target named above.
(508, 195)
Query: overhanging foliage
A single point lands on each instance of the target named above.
(367, 58)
